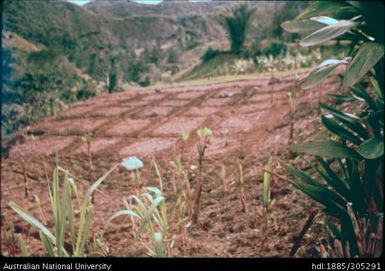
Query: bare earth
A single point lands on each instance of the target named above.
(147, 124)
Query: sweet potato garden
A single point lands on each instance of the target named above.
(192, 129)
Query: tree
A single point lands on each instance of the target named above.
(236, 25)
(172, 58)
(112, 77)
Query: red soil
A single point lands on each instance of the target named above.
(147, 124)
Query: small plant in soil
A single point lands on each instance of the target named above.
(10, 241)
(146, 208)
(184, 136)
(224, 179)
(241, 183)
(204, 135)
(87, 138)
(154, 228)
(266, 202)
(65, 241)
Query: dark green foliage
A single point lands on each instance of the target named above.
(209, 54)
(155, 55)
(350, 185)
(136, 69)
(85, 92)
(172, 57)
(145, 82)
(275, 48)
(112, 77)
(236, 25)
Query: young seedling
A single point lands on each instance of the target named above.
(26, 186)
(203, 134)
(64, 214)
(184, 136)
(87, 138)
(41, 213)
(292, 103)
(182, 175)
(224, 179)
(241, 186)
(133, 165)
(266, 201)
(10, 241)
(150, 209)
(272, 82)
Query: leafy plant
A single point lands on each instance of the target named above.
(241, 183)
(349, 170)
(209, 54)
(203, 134)
(266, 201)
(64, 216)
(236, 25)
(87, 138)
(156, 221)
(146, 208)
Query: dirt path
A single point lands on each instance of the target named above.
(249, 120)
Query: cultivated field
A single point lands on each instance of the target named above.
(250, 122)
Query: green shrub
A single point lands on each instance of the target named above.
(349, 173)
(209, 54)
(275, 48)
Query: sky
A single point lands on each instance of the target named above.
(151, 2)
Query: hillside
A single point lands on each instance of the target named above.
(92, 33)
(77, 52)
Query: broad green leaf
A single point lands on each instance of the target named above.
(302, 26)
(357, 186)
(332, 173)
(371, 148)
(339, 130)
(366, 57)
(326, 148)
(351, 121)
(320, 194)
(335, 183)
(302, 175)
(327, 33)
(361, 92)
(324, 20)
(322, 71)
(335, 9)
(33, 221)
